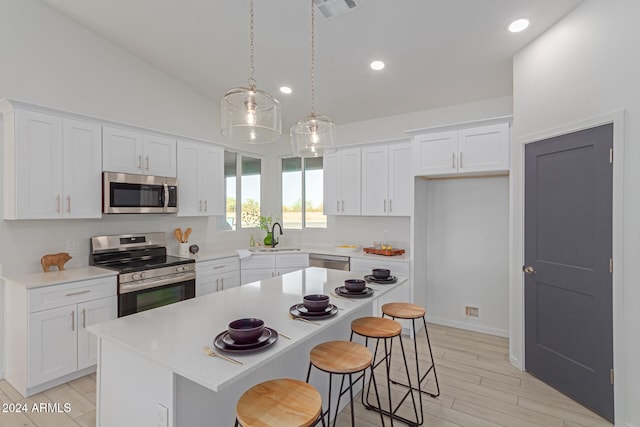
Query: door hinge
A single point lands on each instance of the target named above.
(610, 265)
(611, 376)
(610, 155)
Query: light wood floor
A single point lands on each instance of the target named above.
(479, 388)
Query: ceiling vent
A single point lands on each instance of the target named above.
(332, 8)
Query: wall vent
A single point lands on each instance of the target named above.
(332, 8)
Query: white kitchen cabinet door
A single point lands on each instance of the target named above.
(159, 156)
(253, 275)
(212, 180)
(38, 166)
(298, 261)
(189, 200)
(435, 153)
(82, 169)
(484, 149)
(331, 183)
(122, 151)
(52, 349)
(206, 284)
(228, 280)
(375, 180)
(341, 180)
(90, 313)
(400, 180)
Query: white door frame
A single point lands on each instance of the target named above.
(516, 330)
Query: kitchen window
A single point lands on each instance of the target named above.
(302, 193)
(242, 175)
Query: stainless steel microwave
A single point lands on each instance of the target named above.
(125, 193)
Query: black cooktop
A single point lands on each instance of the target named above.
(141, 264)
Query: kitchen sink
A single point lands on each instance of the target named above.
(273, 249)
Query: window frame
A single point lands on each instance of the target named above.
(238, 196)
(303, 170)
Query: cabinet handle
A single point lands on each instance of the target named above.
(86, 291)
(68, 204)
(206, 206)
(217, 285)
(343, 206)
(453, 160)
(140, 161)
(199, 205)
(84, 318)
(73, 320)
(147, 161)
(385, 205)
(58, 203)
(461, 160)
(222, 283)
(390, 206)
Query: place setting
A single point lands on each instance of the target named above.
(381, 276)
(243, 336)
(354, 288)
(313, 307)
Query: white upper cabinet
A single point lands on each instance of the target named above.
(386, 179)
(52, 166)
(201, 177)
(468, 150)
(342, 177)
(133, 152)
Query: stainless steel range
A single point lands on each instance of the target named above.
(148, 277)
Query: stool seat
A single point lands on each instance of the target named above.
(403, 310)
(376, 327)
(279, 403)
(341, 357)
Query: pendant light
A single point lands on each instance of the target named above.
(314, 135)
(247, 114)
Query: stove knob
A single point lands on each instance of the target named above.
(143, 275)
(135, 276)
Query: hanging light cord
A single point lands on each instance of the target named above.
(251, 81)
(313, 60)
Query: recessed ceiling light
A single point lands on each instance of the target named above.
(377, 65)
(285, 89)
(518, 25)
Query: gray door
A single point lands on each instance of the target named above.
(568, 298)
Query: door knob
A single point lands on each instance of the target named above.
(529, 270)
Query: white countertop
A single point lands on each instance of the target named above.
(173, 336)
(55, 277)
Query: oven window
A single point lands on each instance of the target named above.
(136, 195)
(134, 302)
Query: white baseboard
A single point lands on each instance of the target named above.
(468, 326)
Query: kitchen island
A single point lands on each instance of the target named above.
(151, 366)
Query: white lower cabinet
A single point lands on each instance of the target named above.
(217, 275)
(259, 267)
(47, 340)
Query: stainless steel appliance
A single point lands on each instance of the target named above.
(130, 193)
(148, 277)
(335, 262)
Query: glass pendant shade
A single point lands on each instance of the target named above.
(250, 116)
(313, 136)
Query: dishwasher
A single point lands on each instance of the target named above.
(335, 262)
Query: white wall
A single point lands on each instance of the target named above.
(584, 67)
(468, 253)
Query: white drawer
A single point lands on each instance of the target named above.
(365, 266)
(222, 265)
(292, 260)
(71, 293)
(258, 261)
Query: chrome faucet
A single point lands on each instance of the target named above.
(274, 241)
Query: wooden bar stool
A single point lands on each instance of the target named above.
(380, 328)
(342, 358)
(279, 403)
(402, 310)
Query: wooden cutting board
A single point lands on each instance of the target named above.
(386, 252)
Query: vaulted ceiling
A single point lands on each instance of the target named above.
(437, 52)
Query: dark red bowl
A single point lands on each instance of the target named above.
(245, 331)
(316, 302)
(355, 285)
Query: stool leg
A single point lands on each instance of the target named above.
(433, 364)
(353, 419)
(375, 387)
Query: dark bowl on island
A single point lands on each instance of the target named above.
(244, 331)
(381, 273)
(316, 302)
(355, 285)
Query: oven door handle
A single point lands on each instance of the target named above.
(178, 278)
